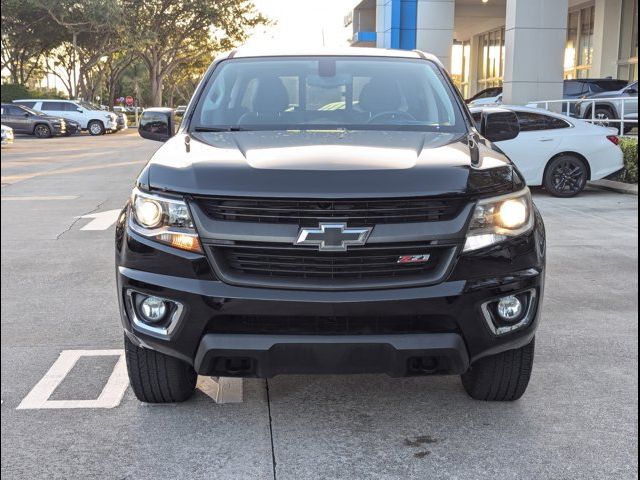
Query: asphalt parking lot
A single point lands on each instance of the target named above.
(578, 420)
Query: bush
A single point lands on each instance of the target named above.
(629, 147)
(12, 91)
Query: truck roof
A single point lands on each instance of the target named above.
(248, 52)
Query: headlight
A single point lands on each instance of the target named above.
(498, 219)
(164, 219)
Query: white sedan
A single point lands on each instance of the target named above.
(7, 135)
(558, 152)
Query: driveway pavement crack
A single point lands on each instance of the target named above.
(79, 217)
(273, 452)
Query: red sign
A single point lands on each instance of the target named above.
(129, 100)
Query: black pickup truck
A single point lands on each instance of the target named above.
(329, 212)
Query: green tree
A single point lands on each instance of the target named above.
(93, 29)
(173, 33)
(27, 36)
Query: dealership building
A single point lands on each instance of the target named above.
(526, 46)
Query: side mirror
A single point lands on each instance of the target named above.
(157, 124)
(499, 124)
(80, 110)
(26, 115)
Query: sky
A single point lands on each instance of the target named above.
(302, 23)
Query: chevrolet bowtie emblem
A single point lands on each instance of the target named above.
(333, 237)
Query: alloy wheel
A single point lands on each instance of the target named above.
(95, 128)
(568, 177)
(42, 131)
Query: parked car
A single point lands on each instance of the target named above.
(572, 89)
(180, 109)
(122, 121)
(25, 120)
(73, 127)
(385, 237)
(586, 87)
(90, 118)
(488, 96)
(559, 152)
(608, 108)
(133, 110)
(7, 134)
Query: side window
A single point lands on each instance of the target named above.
(531, 122)
(71, 107)
(12, 110)
(489, 92)
(572, 88)
(53, 106)
(477, 116)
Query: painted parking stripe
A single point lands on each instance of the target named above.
(219, 389)
(110, 397)
(101, 220)
(13, 198)
(16, 178)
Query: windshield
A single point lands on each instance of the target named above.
(608, 85)
(89, 105)
(32, 111)
(355, 93)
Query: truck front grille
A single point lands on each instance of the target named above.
(309, 212)
(301, 267)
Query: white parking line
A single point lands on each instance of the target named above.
(14, 198)
(110, 397)
(219, 389)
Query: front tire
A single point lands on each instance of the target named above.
(566, 176)
(95, 127)
(158, 378)
(503, 377)
(42, 131)
(603, 116)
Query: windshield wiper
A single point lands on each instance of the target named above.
(221, 129)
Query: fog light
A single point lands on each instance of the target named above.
(153, 309)
(510, 308)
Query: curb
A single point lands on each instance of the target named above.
(620, 187)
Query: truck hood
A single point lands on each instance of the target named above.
(335, 164)
(609, 94)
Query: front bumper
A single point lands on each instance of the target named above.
(210, 334)
(59, 129)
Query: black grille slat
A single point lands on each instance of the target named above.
(295, 249)
(293, 262)
(309, 212)
(333, 272)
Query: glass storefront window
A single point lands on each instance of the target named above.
(578, 54)
(460, 66)
(628, 56)
(491, 59)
